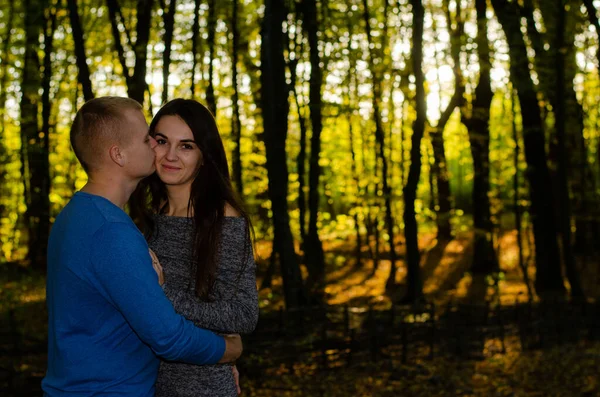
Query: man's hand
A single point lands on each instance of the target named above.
(233, 348)
(157, 267)
(236, 377)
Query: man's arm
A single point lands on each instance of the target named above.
(124, 274)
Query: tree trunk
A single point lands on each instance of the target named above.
(413, 258)
(301, 160)
(37, 179)
(236, 123)
(138, 80)
(484, 255)
(114, 12)
(313, 247)
(380, 138)
(275, 109)
(83, 71)
(548, 277)
(195, 35)
(211, 24)
(169, 21)
(563, 161)
(517, 205)
(6, 40)
(579, 174)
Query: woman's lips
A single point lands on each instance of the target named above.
(170, 168)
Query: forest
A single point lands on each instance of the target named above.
(390, 152)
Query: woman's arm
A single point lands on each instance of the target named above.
(237, 314)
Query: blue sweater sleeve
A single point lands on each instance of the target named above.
(124, 274)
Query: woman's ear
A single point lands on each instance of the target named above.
(116, 155)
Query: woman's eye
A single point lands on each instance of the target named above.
(161, 141)
(187, 147)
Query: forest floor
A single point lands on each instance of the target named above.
(568, 370)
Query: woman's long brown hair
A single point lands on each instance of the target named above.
(211, 191)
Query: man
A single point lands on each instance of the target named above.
(108, 315)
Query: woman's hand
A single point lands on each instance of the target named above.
(157, 267)
(236, 377)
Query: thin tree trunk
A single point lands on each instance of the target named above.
(169, 21)
(484, 255)
(236, 123)
(83, 71)
(351, 91)
(211, 24)
(275, 107)
(138, 79)
(563, 162)
(7, 40)
(548, 276)
(437, 133)
(195, 35)
(380, 138)
(413, 257)
(313, 247)
(518, 222)
(113, 13)
(33, 143)
(301, 160)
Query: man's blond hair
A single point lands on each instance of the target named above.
(98, 123)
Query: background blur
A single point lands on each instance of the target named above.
(422, 174)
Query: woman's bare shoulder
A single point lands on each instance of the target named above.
(230, 211)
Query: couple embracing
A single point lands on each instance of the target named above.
(117, 324)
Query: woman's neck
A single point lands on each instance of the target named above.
(178, 198)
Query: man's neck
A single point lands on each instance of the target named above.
(115, 191)
(178, 199)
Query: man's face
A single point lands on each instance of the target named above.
(139, 148)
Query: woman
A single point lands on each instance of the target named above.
(198, 229)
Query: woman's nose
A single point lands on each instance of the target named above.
(172, 154)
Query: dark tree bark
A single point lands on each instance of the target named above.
(34, 149)
(136, 81)
(548, 277)
(83, 71)
(195, 35)
(313, 247)
(518, 223)
(211, 24)
(114, 12)
(484, 255)
(275, 109)
(351, 87)
(301, 160)
(380, 138)
(169, 21)
(413, 257)
(563, 160)
(236, 123)
(444, 201)
(545, 49)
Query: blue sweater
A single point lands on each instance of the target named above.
(108, 317)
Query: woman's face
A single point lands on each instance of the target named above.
(178, 158)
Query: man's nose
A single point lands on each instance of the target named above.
(153, 143)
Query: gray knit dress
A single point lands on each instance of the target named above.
(233, 307)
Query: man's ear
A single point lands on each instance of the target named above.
(116, 155)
